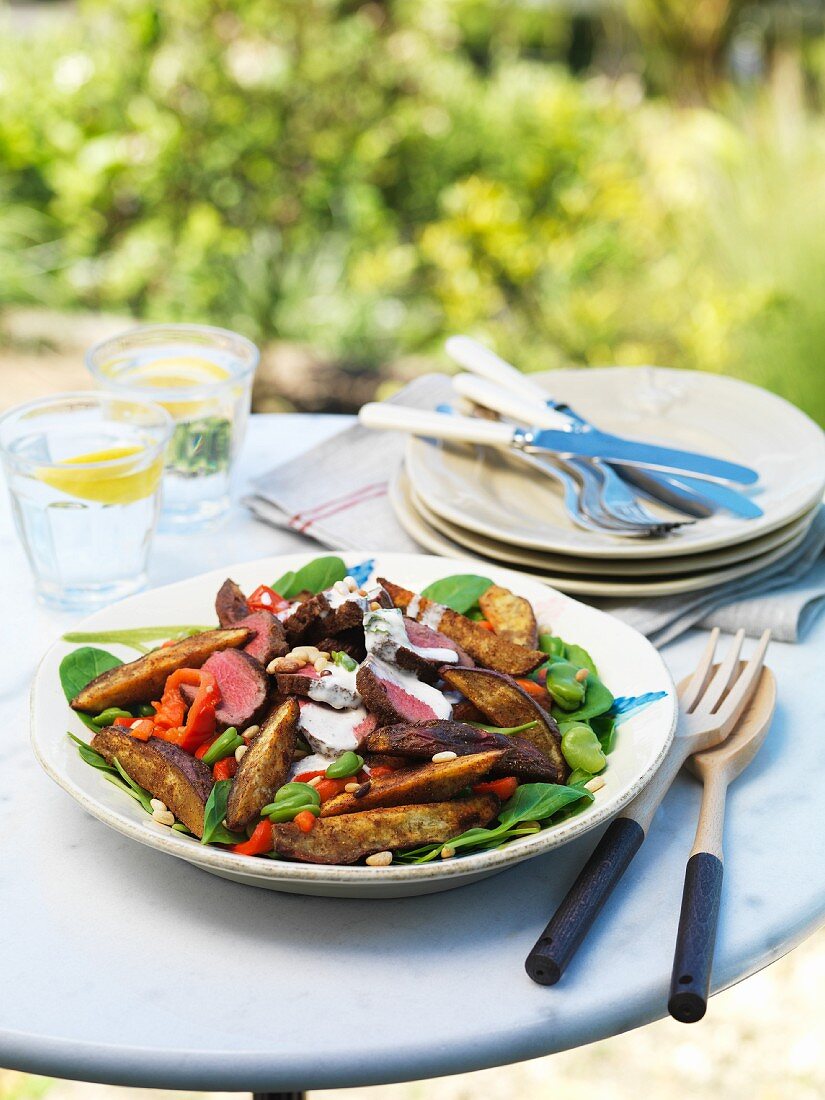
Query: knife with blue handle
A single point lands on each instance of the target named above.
(589, 444)
(694, 496)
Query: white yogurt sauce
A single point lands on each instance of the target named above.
(336, 598)
(331, 731)
(335, 687)
(315, 763)
(426, 693)
(385, 634)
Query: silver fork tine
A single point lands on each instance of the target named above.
(740, 694)
(724, 676)
(699, 680)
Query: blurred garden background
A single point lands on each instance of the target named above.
(349, 182)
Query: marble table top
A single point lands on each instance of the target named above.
(122, 965)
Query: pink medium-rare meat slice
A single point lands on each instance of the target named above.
(230, 603)
(268, 637)
(243, 685)
(395, 695)
(424, 637)
(332, 732)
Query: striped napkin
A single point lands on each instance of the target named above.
(349, 509)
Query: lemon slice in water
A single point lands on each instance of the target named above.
(180, 372)
(122, 484)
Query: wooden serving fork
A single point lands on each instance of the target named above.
(717, 768)
(711, 704)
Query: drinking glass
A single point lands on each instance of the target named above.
(203, 377)
(84, 474)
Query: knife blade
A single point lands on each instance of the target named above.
(697, 498)
(591, 444)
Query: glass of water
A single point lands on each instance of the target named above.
(84, 473)
(203, 377)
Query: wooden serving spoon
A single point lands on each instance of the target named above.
(717, 768)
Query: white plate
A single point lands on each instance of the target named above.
(417, 527)
(484, 491)
(519, 557)
(628, 663)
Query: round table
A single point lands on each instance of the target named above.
(122, 965)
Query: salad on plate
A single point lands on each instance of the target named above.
(334, 717)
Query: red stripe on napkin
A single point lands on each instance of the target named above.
(302, 521)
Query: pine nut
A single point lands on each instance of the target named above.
(447, 852)
(240, 752)
(582, 675)
(443, 757)
(595, 784)
(375, 605)
(163, 817)
(321, 664)
(351, 583)
(156, 804)
(314, 781)
(250, 732)
(352, 787)
(379, 859)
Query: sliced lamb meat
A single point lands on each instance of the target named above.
(243, 686)
(269, 639)
(230, 604)
(332, 732)
(335, 687)
(411, 645)
(396, 695)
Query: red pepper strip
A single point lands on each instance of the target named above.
(504, 788)
(380, 770)
(532, 688)
(200, 721)
(265, 598)
(328, 788)
(225, 769)
(486, 625)
(305, 777)
(139, 728)
(203, 749)
(305, 821)
(258, 843)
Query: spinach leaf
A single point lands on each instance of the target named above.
(459, 592)
(214, 830)
(578, 656)
(79, 668)
(137, 637)
(597, 701)
(604, 727)
(315, 576)
(141, 795)
(538, 801)
(88, 754)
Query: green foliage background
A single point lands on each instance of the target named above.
(367, 178)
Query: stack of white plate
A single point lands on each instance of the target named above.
(456, 499)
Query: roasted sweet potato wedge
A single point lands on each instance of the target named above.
(510, 616)
(429, 783)
(263, 769)
(347, 838)
(163, 769)
(422, 740)
(142, 680)
(484, 647)
(506, 704)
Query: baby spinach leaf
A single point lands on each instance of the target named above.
(538, 801)
(604, 727)
(597, 700)
(142, 796)
(215, 811)
(79, 668)
(315, 576)
(460, 592)
(88, 754)
(578, 656)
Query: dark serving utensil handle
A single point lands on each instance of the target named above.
(584, 900)
(693, 958)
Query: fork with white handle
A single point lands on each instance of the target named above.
(710, 707)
